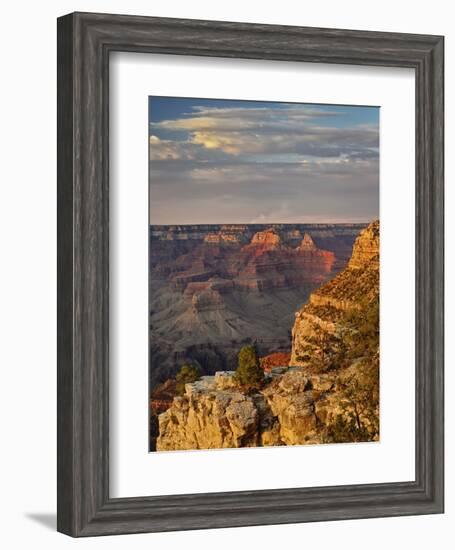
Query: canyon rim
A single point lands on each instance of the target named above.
(263, 274)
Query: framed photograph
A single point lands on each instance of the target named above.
(250, 274)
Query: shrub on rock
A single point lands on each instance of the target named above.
(187, 374)
(249, 371)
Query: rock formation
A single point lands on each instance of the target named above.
(273, 360)
(215, 414)
(321, 326)
(160, 400)
(328, 393)
(224, 238)
(307, 243)
(212, 288)
(294, 408)
(209, 420)
(162, 396)
(268, 239)
(366, 249)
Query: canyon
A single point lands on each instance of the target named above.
(214, 288)
(326, 390)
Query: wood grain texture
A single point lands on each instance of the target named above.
(64, 275)
(84, 44)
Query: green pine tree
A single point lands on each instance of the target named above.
(187, 374)
(249, 372)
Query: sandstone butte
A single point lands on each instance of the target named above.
(263, 263)
(311, 400)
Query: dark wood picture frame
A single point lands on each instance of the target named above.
(84, 43)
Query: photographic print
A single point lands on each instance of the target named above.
(263, 273)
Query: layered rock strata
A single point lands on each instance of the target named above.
(329, 391)
(321, 323)
(210, 291)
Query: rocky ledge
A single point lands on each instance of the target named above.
(292, 408)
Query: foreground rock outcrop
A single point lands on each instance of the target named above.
(210, 415)
(293, 408)
(214, 413)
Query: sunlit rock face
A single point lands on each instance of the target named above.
(224, 238)
(267, 239)
(293, 408)
(307, 243)
(214, 413)
(210, 415)
(213, 288)
(366, 248)
(321, 322)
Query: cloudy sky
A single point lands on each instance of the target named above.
(219, 161)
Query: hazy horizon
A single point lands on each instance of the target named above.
(221, 162)
(366, 222)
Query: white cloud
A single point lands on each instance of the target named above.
(241, 131)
